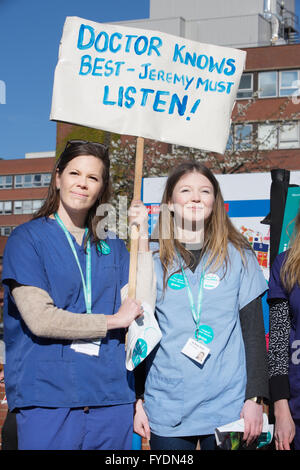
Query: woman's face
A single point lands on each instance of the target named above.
(80, 183)
(193, 198)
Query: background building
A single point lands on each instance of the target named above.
(23, 187)
(265, 132)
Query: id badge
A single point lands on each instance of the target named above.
(195, 350)
(86, 347)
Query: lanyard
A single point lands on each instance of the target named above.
(86, 283)
(196, 312)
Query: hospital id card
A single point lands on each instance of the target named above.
(195, 350)
(91, 348)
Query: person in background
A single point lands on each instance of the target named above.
(64, 323)
(210, 367)
(284, 341)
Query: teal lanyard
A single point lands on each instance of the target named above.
(196, 312)
(86, 283)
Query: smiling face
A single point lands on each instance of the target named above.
(79, 184)
(192, 198)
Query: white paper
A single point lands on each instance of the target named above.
(143, 335)
(238, 426)
(146, 83)
(86, 347)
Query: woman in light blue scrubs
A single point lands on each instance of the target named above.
(210, 367)
(64, 325)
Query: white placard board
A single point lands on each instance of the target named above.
(146, 83)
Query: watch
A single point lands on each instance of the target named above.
(258, 400)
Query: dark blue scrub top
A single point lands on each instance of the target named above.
(46, 372)
(277, 291)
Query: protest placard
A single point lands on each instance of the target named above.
(146, 83)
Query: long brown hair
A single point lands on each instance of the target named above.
(73, 149)
(218, 229)
(290, 271)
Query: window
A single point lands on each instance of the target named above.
(289, 136)
(6, 182)
(288, 82)
(267, 136)
(246, 86)
(278, 136)
(282, 83)
(267, 84)
(28, 206)
(32, 180)
(5, 207)
(243, 136)
(6, 231)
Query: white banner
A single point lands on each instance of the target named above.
(146, 83)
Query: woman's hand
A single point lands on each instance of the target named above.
(129, 311)
(284, 425)
(253, 418)
(140, 422)
(138, 215)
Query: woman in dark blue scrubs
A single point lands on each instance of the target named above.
(64, 325)
(284, 344)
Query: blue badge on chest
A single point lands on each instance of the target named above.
(204, 333)
(103, 247)
(176, 281)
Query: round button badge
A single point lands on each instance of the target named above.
(176, 281)
(211, 281)
(204, 333)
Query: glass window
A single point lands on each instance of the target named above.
(289, 136)
(37, 180)
(46, 177)
(27, 181)
(7, 207)
(1, 207)
(27, 207)
(37, 204)
(6, 182)
(18, 207)
(267, 84)
(267, 136)
(246, 86)
(243, 137)
(288, 82)
(18, 181)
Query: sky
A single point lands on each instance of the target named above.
(30, 32)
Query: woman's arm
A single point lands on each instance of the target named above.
(278, 362)
(44, 319)
(253, 331)
(251, 318)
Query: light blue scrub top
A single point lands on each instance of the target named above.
(182, 397)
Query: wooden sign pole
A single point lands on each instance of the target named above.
(134, 233)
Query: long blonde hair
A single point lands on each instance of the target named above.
(290, 271)
(218, 229)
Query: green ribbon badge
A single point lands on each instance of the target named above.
(139, 352)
